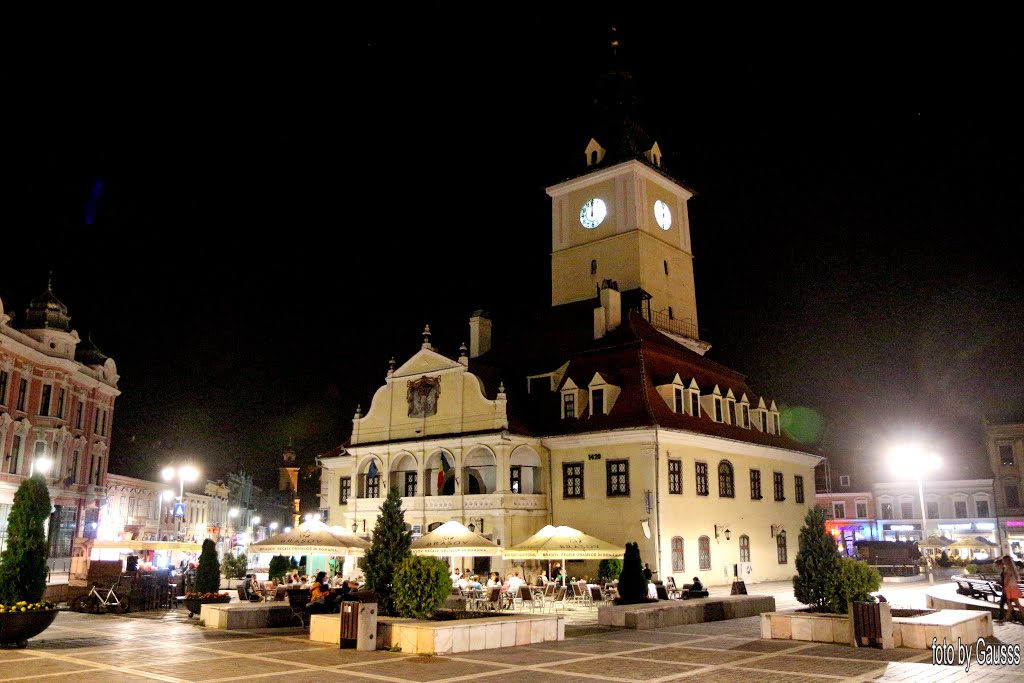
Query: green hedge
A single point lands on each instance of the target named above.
(421, 586)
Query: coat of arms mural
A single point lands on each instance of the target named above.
(422, 396)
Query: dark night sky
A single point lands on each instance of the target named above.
(283, 210)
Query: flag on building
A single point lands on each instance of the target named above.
(373, 469)
(443, 471)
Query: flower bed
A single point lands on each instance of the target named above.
(22, 606)
(18, 626)
(193, 602)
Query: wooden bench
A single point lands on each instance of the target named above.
(979, 588)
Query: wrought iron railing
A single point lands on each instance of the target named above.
(684, 328)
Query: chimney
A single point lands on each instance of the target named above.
(611, 302)
(479, 334)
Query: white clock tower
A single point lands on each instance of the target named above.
(626, 220)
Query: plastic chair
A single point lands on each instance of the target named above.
(561, 599)
(526, 597)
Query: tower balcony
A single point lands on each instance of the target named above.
(684, 331)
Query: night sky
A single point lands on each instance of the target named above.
(282, 210)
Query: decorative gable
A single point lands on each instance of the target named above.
(674, 394)
(654, 155)
(573, 400)
(427, 361)
(711, 403)
(595, 153)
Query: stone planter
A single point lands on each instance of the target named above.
(809, 626)
(18, 627)
(195, 605)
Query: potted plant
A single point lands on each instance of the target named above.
(207, 586)
(23, 613)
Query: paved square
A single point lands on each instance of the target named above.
(166, 646)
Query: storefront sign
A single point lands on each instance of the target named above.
(1015, 522)
(984, 526)
(956, 526)
(902, 527)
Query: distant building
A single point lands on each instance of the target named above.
(1005, 448)
(845, 494)
(960, 510)
(57, 397)
(288, 482)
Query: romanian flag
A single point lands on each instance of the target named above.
(373, 469)
(445, 467)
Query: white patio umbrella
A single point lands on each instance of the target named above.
(452, 538)
(563, 543)
(310, 539)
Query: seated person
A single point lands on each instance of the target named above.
(322, 599)
(253, 588)
(462, 583)
(541, 579)
(474, 583)
(696, 586)
(493, 581)
(347, 591)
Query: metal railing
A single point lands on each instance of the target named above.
(683, 328)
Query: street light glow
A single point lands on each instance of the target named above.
(309, 517)
(256, 520)
(273, 525)
(188, 473)
(167, 473)
(913, 459)
(287, 529)
(233, 512)
(43, 465)
(167, 495)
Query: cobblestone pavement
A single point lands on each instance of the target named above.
(166, 646)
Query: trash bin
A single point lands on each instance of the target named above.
(359, 622)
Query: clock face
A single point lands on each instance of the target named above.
(592, 213)
(662, 214)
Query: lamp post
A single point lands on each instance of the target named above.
(252, 528)
(42, 464)
(914, 460)
(233, 515)
(182, 474)
(165, 497)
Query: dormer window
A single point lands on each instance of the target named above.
(764, 421)
(718, 409)
(694, 392)
(597, 402)
(680, 406)
(602, 395)
(745, 414)
(568, 405)
(730, 408)
(844, 480)
(775, 421)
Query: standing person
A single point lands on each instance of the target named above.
(1002, 592)
(1011, 588)
(648, 574)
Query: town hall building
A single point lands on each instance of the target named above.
(605, 415)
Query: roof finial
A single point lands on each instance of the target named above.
(501, 390)
(359, 410)
(391, 366)
(426, 337)
(49, 281)
(463, 350)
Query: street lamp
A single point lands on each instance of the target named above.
(42, 464)
(273, 526)
(182, 474)
(914, 460)
(252, 528)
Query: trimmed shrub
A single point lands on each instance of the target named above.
(855, 583)
(421, 586)
(972, 569)
(817, 562)
(279, 566)
(235, 567)
(389, 547)
(632, 584)
(609, 570)
(208, 573)
(23, 563)
(943, 560)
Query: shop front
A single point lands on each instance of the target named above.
(1013, 537)
(847, 533)
(901, 532)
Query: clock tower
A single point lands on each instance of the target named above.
(625, 219)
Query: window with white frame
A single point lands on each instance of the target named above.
(844, 480)
(745, 415)
(679, 406)
(960, 509)
(982, 507)
(862, 509)
(932, 507)
(906, 509)
(839, 510)
(886, 510)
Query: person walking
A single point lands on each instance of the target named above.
(1011, 588)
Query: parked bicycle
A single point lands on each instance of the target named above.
(95, 602)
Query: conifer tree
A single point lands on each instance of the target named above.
(208, 573)
(817, 562)
(23, 563)
(389, 547)
(632, 584)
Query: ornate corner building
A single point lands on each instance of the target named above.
(57, 396)
(603, 414)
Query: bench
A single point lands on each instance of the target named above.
(980, 588)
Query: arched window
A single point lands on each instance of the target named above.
(780, 544)
(744, 548)
(677, 554)
(704, 553)
(431, 527)
(593, 157)
(726, 484)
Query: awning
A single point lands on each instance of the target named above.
(452, 538)
(148, 545)
(563, 543)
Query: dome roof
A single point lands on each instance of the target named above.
(46, 311)
(88, 353)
